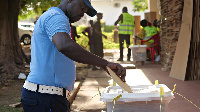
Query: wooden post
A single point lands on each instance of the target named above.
(150, 16)
(179, 64)
(137, 27)
(153, 7)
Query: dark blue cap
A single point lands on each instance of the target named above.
(91, 11)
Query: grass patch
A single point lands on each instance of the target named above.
(10, 109)
(107, 43)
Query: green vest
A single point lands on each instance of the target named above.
(158, 29)
(128, 24)
(150, 31)
(154, 30)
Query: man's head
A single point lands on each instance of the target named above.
(144, 23)
(155, 22)
(99, 16)
(149, 24)
(75, 9)
(91, 22)
(124, 9)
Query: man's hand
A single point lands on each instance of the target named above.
(138, 37)
(78, 36)
(118, 69)
(104, 36)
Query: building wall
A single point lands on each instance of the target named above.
(153, 7)
(111, 12)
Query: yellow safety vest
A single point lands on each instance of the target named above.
(128, 24)
(154, 30)
(150, 31)
(158, 29)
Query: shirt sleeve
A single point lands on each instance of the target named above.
(57, 23)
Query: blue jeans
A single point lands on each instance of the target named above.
(42, 102)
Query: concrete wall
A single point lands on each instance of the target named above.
(153, 7)
(111, 12)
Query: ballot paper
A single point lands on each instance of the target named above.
(122, 84)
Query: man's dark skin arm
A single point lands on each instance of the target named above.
(72, 50)
(84, 33)
(119, 19)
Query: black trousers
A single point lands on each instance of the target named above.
(123, 37)
(42, 102)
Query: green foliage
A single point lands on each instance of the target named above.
(107, 43)
(83, 41)
(110, 44)
(108, 28)
(31, 8)
(30, 14)
(80, 28)
(140, 5)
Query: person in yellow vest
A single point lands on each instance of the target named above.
(126, 28)
(146, 32)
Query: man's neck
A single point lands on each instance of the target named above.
(62, 6)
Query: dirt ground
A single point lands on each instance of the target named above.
(11, 94)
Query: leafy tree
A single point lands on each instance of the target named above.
(11, 53)
(31, 8)
(140, 5)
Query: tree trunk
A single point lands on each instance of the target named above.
(11, 53)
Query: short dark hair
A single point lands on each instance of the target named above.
(155, 23)
(99, 13)
(91, 21)
(149, 24)
(143, 23)
(124, 9)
